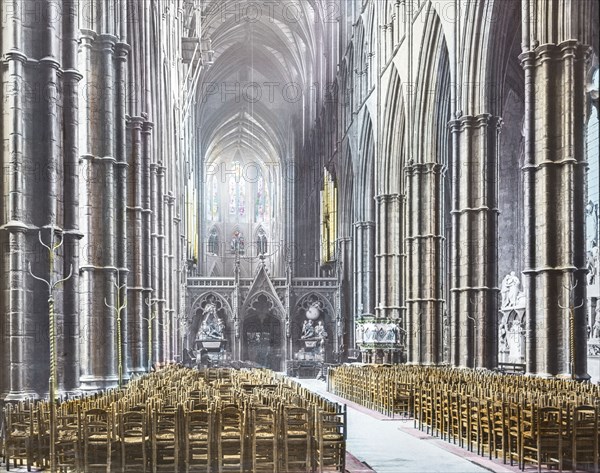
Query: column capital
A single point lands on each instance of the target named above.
(147, 127)
(475, 121)
(134, 122)
(364, 224)
(107, 42)
(388, 198)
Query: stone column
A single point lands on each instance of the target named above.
(424, 241)
(148, 241)
(170, 276)
(158, 255)
(16, 382)
(474, 290)
(121, 180)
(69, 342)
(136, 359)
(364, 277)
(346, 292)
(389, 273)
(554, 175)
(98, 194)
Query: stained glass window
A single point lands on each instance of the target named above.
(328, 218)
(213, 200)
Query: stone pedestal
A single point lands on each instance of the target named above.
(511, 335)
(312, 350)
(211, 345)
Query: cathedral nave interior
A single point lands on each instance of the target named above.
(204, 200)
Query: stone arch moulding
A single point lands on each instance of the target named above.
(201, 300)
(277, 308)
(311, 297)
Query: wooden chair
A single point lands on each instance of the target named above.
(133, 440)
(485, 435)
(330, 448)
(403, 400)
(198, 437)
(541, 442)
(296, 436)
(453, 424)
(68, 445)
(19, 442)
(514, 432)
(230, 439)
(583, 447)
(264, 439)
(499, 428)
(164, 439)
(97, 440)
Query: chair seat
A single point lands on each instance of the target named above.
(134, 440)
(67, 435)
(296, 434)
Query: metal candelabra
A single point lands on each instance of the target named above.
(52, 285)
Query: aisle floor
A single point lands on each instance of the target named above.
(393, 446)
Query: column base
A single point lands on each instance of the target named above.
(15, 396)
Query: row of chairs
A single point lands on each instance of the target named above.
(184, 420)
(525, 420)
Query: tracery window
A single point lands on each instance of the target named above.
(212, 206)
(263, 203)
(213, 242)
(328, 218)
(237, 192)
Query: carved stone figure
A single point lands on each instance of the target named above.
(514, 342)
(592, 265)
(320, 331)
(510, 290)
(212, 326)
(308, 331)
(504, 331)
(596, 328)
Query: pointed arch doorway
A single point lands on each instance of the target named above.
(262, 334)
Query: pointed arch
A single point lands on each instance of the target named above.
(364, 209)
(392, 154)
(432, 98)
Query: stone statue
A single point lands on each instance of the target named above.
(592, 265)
(514, 342)
(360, 330)
(596, 328)
(308, 331)
(320, 331)
(212, 326)
(504, 332)
(510, 290)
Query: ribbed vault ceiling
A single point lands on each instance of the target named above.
(263, 52)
